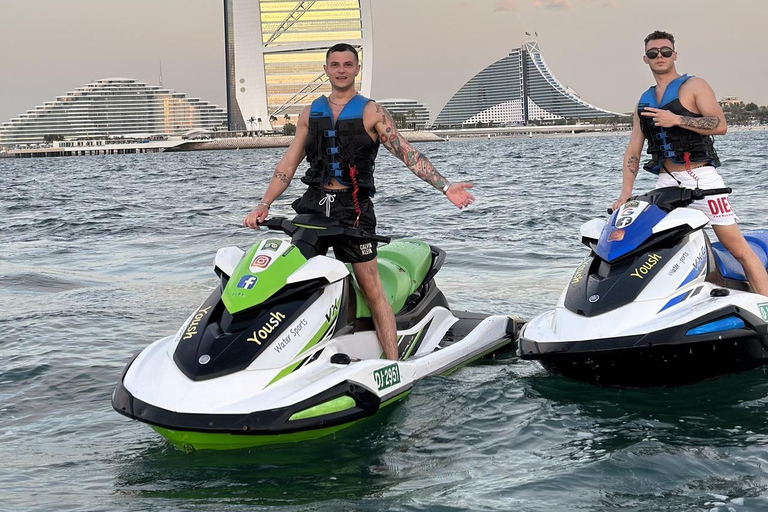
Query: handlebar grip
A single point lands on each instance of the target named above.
(718, 191)
(382, 239)
(275, 223)
(698, 193)
(610, 211)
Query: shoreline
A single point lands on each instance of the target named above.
(283, 141)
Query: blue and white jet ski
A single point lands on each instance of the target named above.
(654, 303)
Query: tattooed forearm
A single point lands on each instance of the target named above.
(414, 160)
(700, 123)
(281, 176)
(633, 165)
(424, 169)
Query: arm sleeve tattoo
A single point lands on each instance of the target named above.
(402, 149)
(700, 123)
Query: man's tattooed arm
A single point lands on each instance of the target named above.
(700, 123)
(277, 185)
(402, 149)
(281, 176)
(633, 165)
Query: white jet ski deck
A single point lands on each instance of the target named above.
(284, 351)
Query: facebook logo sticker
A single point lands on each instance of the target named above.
(247, 282)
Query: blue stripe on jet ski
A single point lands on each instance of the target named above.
(677, 300)
(696, 272)
(724, 324)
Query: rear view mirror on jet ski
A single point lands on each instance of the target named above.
(284, 349)
(655, 303)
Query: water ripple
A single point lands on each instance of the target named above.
(101, 255)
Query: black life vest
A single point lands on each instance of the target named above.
(673, 142)
(332, 148)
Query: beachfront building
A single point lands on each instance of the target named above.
(415, 115)
(109, 108)
(275, 51)
(516, 90)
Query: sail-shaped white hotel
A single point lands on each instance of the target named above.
(275, 52)
(112, 107)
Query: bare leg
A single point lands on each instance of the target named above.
(367, 275)
(732, 239)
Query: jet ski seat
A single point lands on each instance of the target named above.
(730, 268)
(403, 264)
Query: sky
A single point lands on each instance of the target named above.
(424, 49)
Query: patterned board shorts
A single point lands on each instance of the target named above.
(716, 208)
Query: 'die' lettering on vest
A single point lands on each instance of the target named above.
(332, 148)
(673, 142)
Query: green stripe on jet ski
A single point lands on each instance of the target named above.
(338, 404)
(189, 440)
(317, 337)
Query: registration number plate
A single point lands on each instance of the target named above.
(387, 376)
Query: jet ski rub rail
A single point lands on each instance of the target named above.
(665, 357)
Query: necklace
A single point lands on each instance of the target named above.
(337, 104)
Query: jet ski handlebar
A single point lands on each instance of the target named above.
(669, 198)
(321, 227)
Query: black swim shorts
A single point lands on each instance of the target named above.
(340, 205)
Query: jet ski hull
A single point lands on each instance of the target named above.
(667, 357)
(330, 410)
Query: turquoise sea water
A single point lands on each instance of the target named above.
(99, 256)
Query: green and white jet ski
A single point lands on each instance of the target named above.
(284, 349)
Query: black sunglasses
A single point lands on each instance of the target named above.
(665, 52)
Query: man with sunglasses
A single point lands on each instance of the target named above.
(678, 117)
(340, 137)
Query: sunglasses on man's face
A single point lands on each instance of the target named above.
(665, 52)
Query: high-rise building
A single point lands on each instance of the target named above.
(276, 51)
(113, 107)
(414, 114)
(515, 90)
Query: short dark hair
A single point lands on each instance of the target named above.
(342, 47)
(660, 34)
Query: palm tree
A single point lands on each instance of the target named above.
(251, 121)
(287, 118)
(258, 127)
(272, 119)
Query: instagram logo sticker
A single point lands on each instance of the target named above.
(261, 261)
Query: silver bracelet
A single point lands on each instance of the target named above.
(446, 187)
(264, 203)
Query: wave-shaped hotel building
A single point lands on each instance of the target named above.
(112, 107)
(275, 52)
(516, 90)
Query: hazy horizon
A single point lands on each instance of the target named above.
(424, 49)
